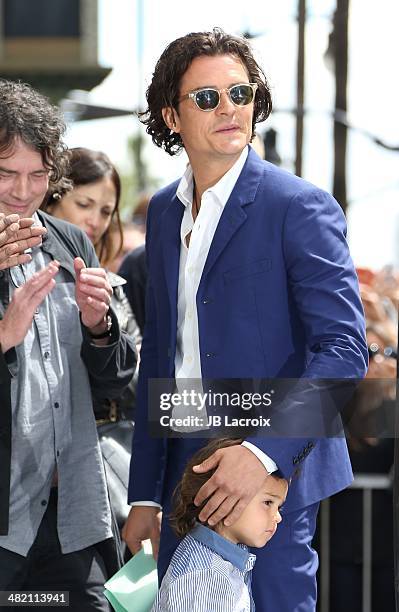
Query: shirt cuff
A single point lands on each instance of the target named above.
(8, 364)
(146, 503)
(269, 464)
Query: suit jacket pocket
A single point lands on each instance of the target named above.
(249, 269)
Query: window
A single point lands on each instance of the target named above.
(41, 18)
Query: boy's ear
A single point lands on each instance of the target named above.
(171, 119)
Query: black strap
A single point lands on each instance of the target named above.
(396, 489)
(5, 420)
(4, 287)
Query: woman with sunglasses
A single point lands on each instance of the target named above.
(93, 205)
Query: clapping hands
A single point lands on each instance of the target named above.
(16, 236)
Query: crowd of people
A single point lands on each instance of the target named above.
(370, 421)
(245, 275)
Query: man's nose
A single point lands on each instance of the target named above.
(226, 106)
(20, 188)
(278, 517)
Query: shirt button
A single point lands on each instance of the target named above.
(190, 314)
(56, 405)
(58, 453)
(189, 358)
(43, 502)
(46, 355)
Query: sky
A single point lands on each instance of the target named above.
(133, 34)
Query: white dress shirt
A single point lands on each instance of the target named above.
(192, 262)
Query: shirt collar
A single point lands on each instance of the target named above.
(52, 244)
(222, 189)
(237, 554)
(37, 223)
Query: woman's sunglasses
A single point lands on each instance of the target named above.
(208, 98)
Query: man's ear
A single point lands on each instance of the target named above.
(171, 119)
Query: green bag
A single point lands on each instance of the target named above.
(134, 587)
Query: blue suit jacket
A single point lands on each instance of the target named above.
(278, 298)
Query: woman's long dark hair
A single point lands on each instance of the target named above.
(86, 167)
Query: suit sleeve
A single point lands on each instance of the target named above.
(324, 287)
(134, 270)
(147, 451)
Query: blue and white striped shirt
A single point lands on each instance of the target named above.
(207, 573)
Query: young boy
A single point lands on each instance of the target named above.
(210, 570)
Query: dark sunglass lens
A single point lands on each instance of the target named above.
(207, 99)
(241, 94)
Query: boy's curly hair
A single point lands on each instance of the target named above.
(185, 513)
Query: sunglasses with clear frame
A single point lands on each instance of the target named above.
(208, 98)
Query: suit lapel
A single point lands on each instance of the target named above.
(170, 232)
(232, 218)
(234, 214)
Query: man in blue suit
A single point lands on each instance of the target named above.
(249, 277)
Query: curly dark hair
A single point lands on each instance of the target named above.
(185, 513)
(28, 115)
(85, 167)
(164, 90)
